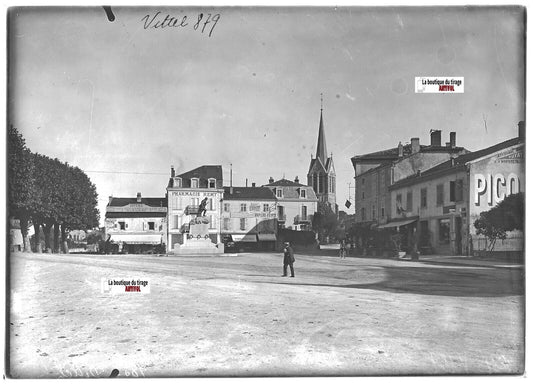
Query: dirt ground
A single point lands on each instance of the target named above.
(236, 316)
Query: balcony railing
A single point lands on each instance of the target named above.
(301, 219)
(191, 209)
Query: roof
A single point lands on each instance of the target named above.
(285, 183)
(455, 164)
(392, 153)
(203, 173)
(321, 150)
(249, 193)
(150, 201)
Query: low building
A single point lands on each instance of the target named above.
(249, 217)
(296, 203)
(185, 194)
(136, 225)
(436, 209)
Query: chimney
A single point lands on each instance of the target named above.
(110, 199)
(172, 171)
(400, 150)
(435, 138)
(415, 145)
(271, 180)
(253, 185)
(522, 130)
(453, 140)
(138, 197)
(297, 180)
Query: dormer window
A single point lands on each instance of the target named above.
(195, 182)
(303, 193)
(212, 183)
(279, 192)
(177, 182)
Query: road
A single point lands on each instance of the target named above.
(236, 315)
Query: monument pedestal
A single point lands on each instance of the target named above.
(197, 241)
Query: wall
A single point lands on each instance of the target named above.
(491, 179)
(376, 193)
(257, 219)
(419, 161)
(433, 213)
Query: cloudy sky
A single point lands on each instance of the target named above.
(124, 102)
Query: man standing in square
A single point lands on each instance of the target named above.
(288, 259)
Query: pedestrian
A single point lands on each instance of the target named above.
(288, 259)
(342, 253)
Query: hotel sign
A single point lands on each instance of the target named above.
(136, 208)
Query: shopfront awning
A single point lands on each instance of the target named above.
(266, 237)
(248, 238)
(399, 223)
(137, 239)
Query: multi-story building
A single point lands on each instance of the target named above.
(436, 209)
(375, 172)
(249, 217)
(185, 193)
(296, 203)
(321, 175)
(136, 225)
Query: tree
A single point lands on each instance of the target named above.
(507, 215)
(324, 220)
(21, 186)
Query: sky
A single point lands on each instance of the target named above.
(125, 103)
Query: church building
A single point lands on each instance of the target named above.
(321, 175)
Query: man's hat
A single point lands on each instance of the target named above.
(287, 243)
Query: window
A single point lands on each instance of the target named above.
(151, 226)
(382, 212)
(315, 182)
(399, 199)
(303, 193)
(279, 192)
(304, 212)
(227, 224)
(440, 194)
(423, 198)
(363, 214)
(210, 205)
(452, 190)
(266, 208)
(363, 194)
(195, 201)
(212, 183)
(409, 201)
(333, 184)
(444, 231)
(122, 225)
(459, 190)
(176, 222)
(243, 207)
(226, 207)
(243, 224)
(212, 222)
(194, 183)
(177, 182)
(373, 212)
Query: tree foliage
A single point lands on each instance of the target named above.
(507, 215)
(50, 193)
(325, 221)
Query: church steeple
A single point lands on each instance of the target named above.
(321, 150)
